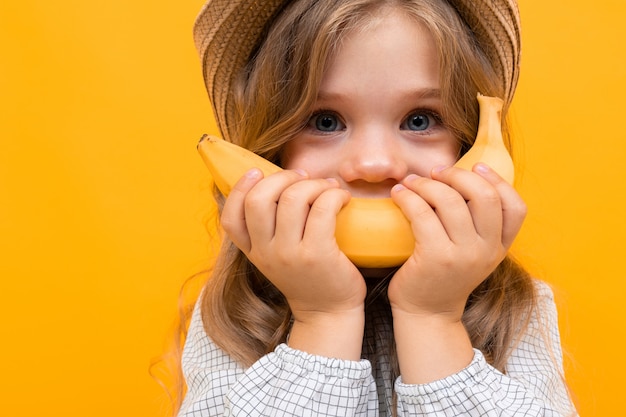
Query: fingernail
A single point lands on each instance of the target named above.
(398, 187)
(482, 168)
(439, 168)
(332, 181)
(301, 172)
(254, 173)
(411, 177)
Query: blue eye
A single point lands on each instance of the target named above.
(418, 121)
(326, 122)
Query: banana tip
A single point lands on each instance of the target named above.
(204, 136)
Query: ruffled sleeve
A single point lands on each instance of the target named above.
(286, 382)
(533, 385)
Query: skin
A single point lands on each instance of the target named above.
(375, 132)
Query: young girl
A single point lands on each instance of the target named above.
(366, 98)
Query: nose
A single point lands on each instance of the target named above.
(373, 163)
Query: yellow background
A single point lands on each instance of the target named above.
(103, 199)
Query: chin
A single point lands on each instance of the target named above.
(377, 273)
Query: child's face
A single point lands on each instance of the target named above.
(376, 118)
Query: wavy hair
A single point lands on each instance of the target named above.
(242, 311)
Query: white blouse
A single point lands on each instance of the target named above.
(288, 382)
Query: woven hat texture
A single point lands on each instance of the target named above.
(226, 32)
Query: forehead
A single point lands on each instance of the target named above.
(393, 48)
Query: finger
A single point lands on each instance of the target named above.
(425, 223)
(294, 206)
(261, 205)
(512, 205)
(449, 206)
(322, 220)
(233, 219)
(482, 200)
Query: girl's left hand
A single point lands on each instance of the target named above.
(464, 223)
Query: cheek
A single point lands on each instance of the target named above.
(421, 162)
(314, 160)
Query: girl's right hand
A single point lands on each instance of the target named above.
(285, 225)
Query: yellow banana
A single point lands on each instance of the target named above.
(488, 146)
(373, 233)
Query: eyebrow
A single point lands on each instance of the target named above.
(427, 93)
(418, 93)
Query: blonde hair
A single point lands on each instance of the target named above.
(242, 312)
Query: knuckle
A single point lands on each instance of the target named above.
(253, 199)
(421, 211)
(447, 198)
(522, 208)
(319, 209)
(227, 223)
(518, 208)
(325, 203)
(450, 197)
(290, 197)
(489, 194)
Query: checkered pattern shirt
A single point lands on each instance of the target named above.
(288, 382)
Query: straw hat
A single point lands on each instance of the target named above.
(226, 32)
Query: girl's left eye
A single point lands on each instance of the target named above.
(420, 121)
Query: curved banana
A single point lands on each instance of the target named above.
(373, 233)
(489, 146)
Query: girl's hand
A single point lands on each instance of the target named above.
(285, 225)
(464, 223)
